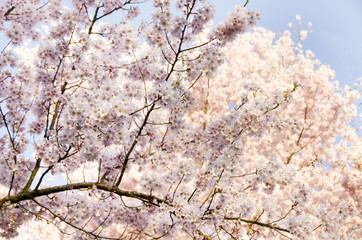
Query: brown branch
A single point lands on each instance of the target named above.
(29, 195)
(192, 195)
(104, 220)
(95, 18)
(166, 232)
(300, 137)
(63, 219)
(8, 12)
(247, 1)
(174, 192)
(51, 166)
(246, 174)
(8, 130)
(257, 223)
(169, 43)
(198, 77)
(181, 41)
(38, 216)
(11, 183)
(230, 234)
(133, 145)
(197, 46)
(146, 106)
(55, 115)
(6, 45)
(212, 195)
(32, 176)
(285, 215)
(57, 105)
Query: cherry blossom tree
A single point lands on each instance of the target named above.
(114, 127)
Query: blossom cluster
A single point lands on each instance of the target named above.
(238, 20)
(169, 129)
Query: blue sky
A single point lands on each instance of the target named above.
(337, 29)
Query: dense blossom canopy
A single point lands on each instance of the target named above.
(171, 127)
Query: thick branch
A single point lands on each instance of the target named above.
(93, 20)
(86, 185)
(32, 176)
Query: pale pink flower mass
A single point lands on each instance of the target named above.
(170, 128)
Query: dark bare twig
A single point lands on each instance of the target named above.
(189, 12)
(8, 130)
(285, 215)
(63, 219)
(169, 43)
(247, 1)
(198, 46)
(230, 234)
(192, 195)
(43, 218)
(95, 18)
(174, 192)
(66, 155)
(8, 12)
(198, 77)
(133, 145)
(257, 223)
(212, 194)
(6, 45)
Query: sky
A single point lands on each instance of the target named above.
(336, 39)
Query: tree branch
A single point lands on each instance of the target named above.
(257, 223)
(181, 42)
(8, 12)
(133, 145)
(32, 176)
(28, 195)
